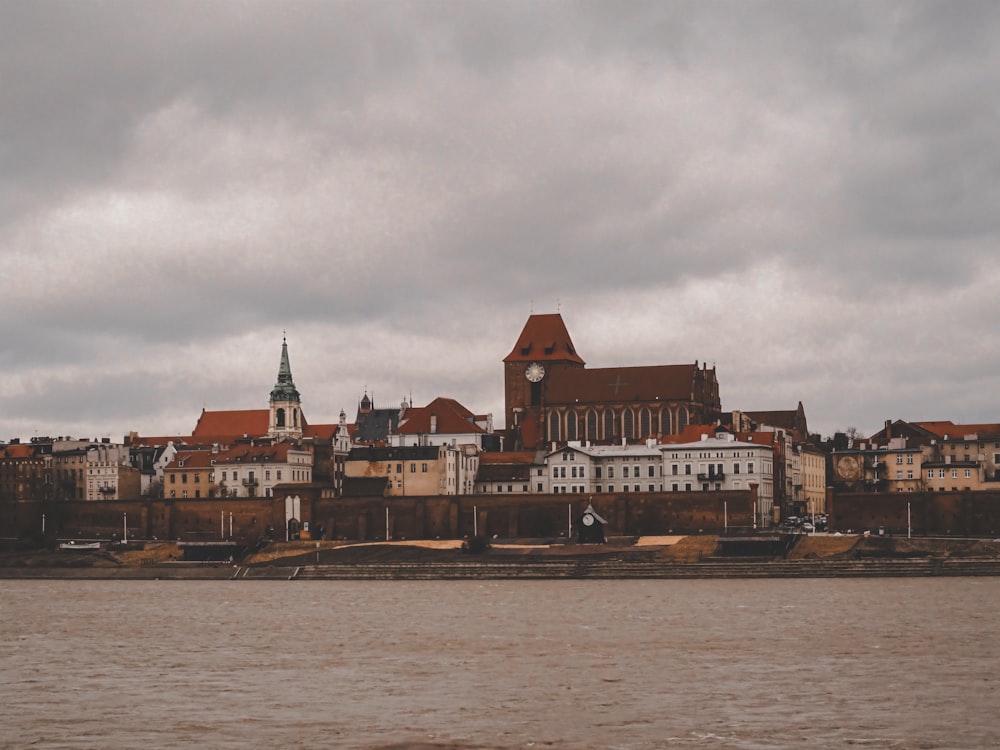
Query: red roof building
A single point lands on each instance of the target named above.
(550, 395)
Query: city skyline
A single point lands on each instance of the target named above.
(801, 195)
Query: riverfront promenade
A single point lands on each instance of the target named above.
(673, 558)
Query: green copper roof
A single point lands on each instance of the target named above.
(284, 389)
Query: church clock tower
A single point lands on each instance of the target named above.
(286, 419)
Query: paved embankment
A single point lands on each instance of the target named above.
(625, 569)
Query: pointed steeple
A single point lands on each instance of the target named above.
(284, 389)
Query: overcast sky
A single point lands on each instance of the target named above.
(804, 194)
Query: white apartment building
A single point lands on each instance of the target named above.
(721, 463)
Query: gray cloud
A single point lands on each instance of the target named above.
(804, 194)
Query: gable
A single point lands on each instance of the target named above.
(544, 338)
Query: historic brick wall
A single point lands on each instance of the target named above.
(365, 518)
(532, 515)
(957, 513)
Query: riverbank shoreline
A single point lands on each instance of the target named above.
(690, 557)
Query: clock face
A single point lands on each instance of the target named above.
(588, 520)
(534, 372)
(848, 468)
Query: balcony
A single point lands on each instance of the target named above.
(251, 483)
(712, 476)
(107, 490)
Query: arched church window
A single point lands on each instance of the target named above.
(571, 425)
(628, 424)
(554, 426)
(644, 423)
(295, 417)
(592, 425)
(665, 421)
(609, 425)
(279, 418)
(682, 418)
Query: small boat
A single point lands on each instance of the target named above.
(80, 545)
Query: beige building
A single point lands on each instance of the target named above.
(813, 473)
(110, 474)
(417, 470)
(242, 471)
(899, 468)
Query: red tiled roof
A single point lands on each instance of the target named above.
(544, 338)
(18, 451)
(277, 453)
(232, 424)
(320, 431)
(618, 384)
(958, 431)
(451, 418)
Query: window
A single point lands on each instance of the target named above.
(899, 459)
(173, 478)
(267, 474)
(652, 471)
(687, 486)
(954, 473)
(968, 473)
(554, 426)
(673, 469)
(628, 424)
(749, 467)
(276, 473)
(611, 472)
(930, 473)
(687, 468)
(909, 459)
(625, 472)
(909, 473)
(197, 478)
(899, 475)
(674, 487)
(940, 473)
(736, 467)
(423, 468)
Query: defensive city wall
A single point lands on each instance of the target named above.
(626, 514)
(445, 517)
(919, 513)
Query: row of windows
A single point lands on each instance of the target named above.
(941, 474)
(569, 425)
(297, 475)
(399, 468)
(231, 493)
(674, 487)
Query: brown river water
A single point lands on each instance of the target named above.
(849, 663)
